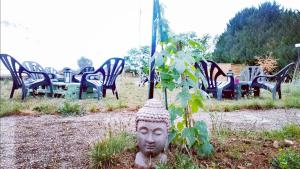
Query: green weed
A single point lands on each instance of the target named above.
(286, 159)
(10, 107)
(180, 161)
(291, 131)
(104, 152)
(45, 108)
(70, 109)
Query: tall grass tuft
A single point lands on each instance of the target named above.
(68, 109)
(10, 107)
(104, 152)
(291, 131)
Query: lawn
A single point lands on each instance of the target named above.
(132, 97)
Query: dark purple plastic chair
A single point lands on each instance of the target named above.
(76, 78)
(274, 88)
(18, 71)
(103, 78)
(211, 72)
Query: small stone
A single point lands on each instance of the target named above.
(241, 167)
(276, 144)
(288, 142)
(251, 153)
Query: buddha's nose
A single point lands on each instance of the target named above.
(150, 139)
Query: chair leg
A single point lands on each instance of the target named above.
(80, 92)
(117, 95)
(51, 90)
(256, 91)
(274, 94)
(104, 92)
(12, 92)
(24, 92)
(99, 92)
(219, 94)
(279, 93)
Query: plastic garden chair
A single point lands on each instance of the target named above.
(19, 74)
(279, 78)
(211, 71)
(108, 73)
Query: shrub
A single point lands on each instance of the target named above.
(70, 109)
(267, 62)
(104, 152)
(286, 159)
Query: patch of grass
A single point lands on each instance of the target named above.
(10, 107)
(180, 161)
(94, 108)
(46, 108)
(104, 153)
(110, 106)
(291, 131)
(286, 159)
(68, 109)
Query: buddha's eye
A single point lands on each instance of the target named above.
(143, 131)
(158, 132)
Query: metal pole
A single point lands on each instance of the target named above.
(153, 48)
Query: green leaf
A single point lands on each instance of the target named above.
(183, 97)
(172, 136)
(202, 130)
(159, 60)
(205, 149)
(179, 65)
(180, 125)
(175, 112)
(189, 135)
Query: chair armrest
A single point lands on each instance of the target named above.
(255, 80)
(89, 74)
(46, 76)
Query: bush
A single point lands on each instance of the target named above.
(286, 159)
(70, 109)
(104, 152)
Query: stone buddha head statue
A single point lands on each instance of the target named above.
(152, 123)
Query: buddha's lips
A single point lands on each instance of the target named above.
(150, 147)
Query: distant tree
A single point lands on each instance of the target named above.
(137, 60)
(257, 32)
(84, 62)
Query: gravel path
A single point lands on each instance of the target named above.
(49, 141)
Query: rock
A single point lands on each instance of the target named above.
(241, 167)
(288, 143)
(276, 144)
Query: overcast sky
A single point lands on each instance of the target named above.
(57, 33)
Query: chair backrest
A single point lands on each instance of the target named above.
(34, 66)
(211, 72)
(282, 74)
(86, 69)
(110, 70)
(15, 69)
(51, 70)
(250, 72)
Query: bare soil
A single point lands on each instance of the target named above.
(52, 141)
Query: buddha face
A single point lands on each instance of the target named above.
(152, 137)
